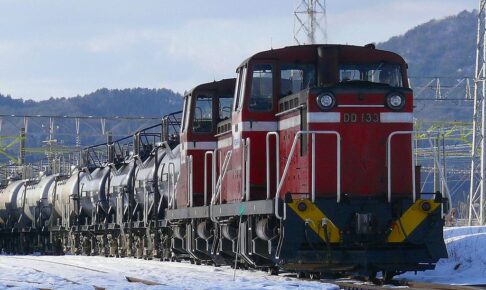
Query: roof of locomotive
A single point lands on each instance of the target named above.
(290, 52)
(221, 85)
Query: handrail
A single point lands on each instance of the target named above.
(287, 165)
(221, 177)
(388, 158)
(243, 169)
(247, 174)
(171, 178)
(245, 185)
(442, 176)
(167, 149)
(277, 158)
(213, 174)
(190, 198)
(289, 110)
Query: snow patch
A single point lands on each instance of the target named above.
(81, 272)
(466, 264)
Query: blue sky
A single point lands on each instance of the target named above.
(62, 48)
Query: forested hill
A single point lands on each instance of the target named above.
(103, 102)
(443, 47)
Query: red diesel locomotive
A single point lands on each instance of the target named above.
(312, 172)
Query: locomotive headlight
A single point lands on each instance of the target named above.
(395, 101)
(326, 101)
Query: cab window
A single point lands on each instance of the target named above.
(261, 89)
(296, 77)
(203, 114)
(225, 107)
(383, 73)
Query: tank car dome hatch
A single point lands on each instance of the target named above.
(93, 190)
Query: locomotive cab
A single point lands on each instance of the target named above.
(204, 107)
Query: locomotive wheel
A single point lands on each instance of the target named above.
(372, 277)
(388, 276)
(273, 271)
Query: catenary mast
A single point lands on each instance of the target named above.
(310, 22)
(477, 189)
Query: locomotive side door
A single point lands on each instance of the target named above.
(197, 137)
(253, 117)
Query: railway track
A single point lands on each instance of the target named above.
(58, 263)
(359, 285)
(410, 285)
(33, 283)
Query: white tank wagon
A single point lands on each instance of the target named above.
(121, 183)
(8, 201)
(93, 188)
(65, 193)
(152, 177)
(33, 199)
(168, 174)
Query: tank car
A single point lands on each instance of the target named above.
(33, 200)
(24, 209)
(8, 202)
(9, 214)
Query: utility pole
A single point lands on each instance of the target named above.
(310, 22)
(477, 189)
(22, 147)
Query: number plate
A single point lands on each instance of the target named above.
(361, 117)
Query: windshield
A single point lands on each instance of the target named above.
(203, 114)
(296, 77)
(383, 73)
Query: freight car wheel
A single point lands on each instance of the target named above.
(372, 277)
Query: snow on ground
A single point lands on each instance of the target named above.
(81, 272)
(466, 264)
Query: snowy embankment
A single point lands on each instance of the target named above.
(466, 264)
(81, 272)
